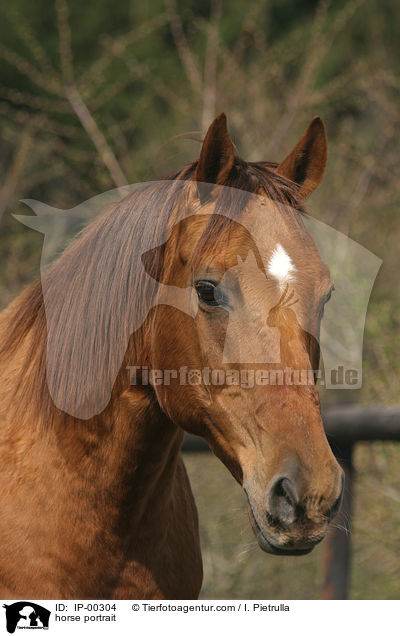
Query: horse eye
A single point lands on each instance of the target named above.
(207, 292)
(325, 300)
(329, 294)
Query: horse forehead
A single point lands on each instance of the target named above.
(230, 240)
(274, 231)
(281, 237)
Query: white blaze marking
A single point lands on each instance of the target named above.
(280, 265)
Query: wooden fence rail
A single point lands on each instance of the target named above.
(344, 426)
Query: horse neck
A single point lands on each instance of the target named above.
(123, 459)
(130, 442)
(126, 456)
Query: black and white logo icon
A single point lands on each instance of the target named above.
(26, 615)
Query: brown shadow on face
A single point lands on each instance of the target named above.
(198, 241)
(202, 242)
(200, 248)
(284, 318)
(282, 307)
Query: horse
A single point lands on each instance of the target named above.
(96, 503)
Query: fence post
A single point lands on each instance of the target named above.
(338, 540)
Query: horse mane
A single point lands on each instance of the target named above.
(98, 266)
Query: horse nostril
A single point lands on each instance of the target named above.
(336, 506)
(289, 490)
(282, 499)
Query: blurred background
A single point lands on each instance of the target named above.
(94, 95)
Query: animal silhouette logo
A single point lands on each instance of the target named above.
(26, 615)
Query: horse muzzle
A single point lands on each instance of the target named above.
(290, 523)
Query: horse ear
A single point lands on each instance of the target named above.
(217, 154)
(305, 165)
